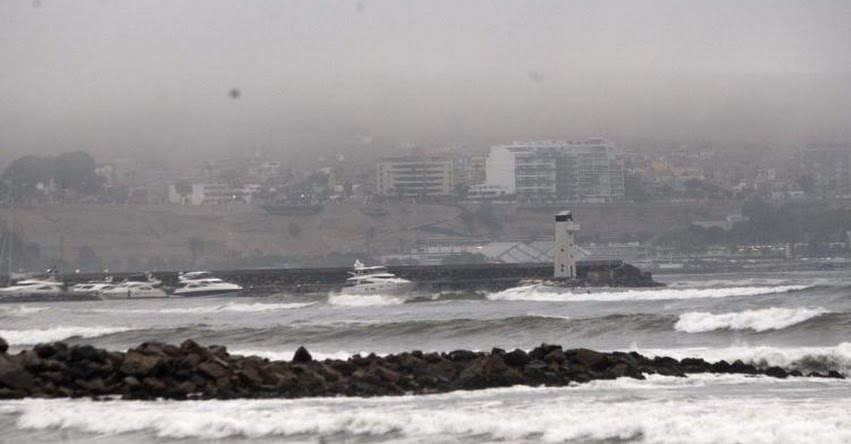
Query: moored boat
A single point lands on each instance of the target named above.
(374, 280)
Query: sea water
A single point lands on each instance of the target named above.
(791, 320)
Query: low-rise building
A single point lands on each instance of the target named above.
(414, 177)
(211, 193)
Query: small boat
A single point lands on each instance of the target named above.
(202, 283)
(374, 280)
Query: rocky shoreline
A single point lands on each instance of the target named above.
(192, 371)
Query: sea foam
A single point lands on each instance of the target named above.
(53, 334)
(506, 415)
(363, 300)
(221, 308)
(552, 294)
(822, 359)
(774, 318)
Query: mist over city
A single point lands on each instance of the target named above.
(629, 221)
(118, 78)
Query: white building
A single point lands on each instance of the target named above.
(414, 177)
(565, 254)
(557, 171)
(211, 193)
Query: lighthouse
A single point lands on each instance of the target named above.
(566, 252)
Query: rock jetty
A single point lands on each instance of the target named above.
(191, 371)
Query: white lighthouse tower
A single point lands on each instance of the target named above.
(566, 253)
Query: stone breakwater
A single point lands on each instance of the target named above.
(192, 371)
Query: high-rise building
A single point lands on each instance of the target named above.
(557, 171)
(414, 176)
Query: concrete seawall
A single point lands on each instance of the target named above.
(473, 277)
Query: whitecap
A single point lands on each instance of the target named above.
(513, 414)
(774, 318)
(53, 334)
(363, 300)
(553, 294)
(836, 357)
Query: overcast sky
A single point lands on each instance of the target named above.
(156, 76)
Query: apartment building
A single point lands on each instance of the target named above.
(557, 171)
(414, 177)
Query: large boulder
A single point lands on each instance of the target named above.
(589, 358)
(516, 358)
(14, 376)
(4, 346)
(302, 356)
(137, 363)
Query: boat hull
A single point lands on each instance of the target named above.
(206, 292)
(394, 289)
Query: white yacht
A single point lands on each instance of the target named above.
(374, 280)
(132, 290)
(202, 283)
(32, 287)
(91, 287)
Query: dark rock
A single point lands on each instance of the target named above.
(796, 373)
(14, 376)
(9, 393)
(693, 365)
(136, 363)
(87, 353)
(516, 358)
(461, 355)
(543, 350)
(432, 358)
(155, 385)
(54, 365)
(213, 369)
(30, 360)
(155, 370)
(45, 351)
(219, 350)
(190, 346)
(556, 356)
(302, 356)
(4, 346)
(740, 367)
(776, 372)
(589, 358)
(665, 361)
(835, 374)
(410, 362)
(721, 367)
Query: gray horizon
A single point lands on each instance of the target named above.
(292, 79)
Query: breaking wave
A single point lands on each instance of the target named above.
(804, 358)
(363, 300)
(539, 292)
(519, 414)
(774, 318)
(41, 335)
(229, 307)
(20, 309)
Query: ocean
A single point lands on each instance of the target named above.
(793, 320)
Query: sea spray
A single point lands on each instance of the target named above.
(774, 318)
